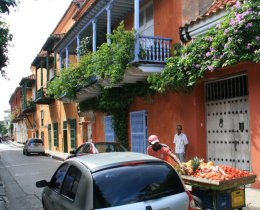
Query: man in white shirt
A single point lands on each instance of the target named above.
(181, 144)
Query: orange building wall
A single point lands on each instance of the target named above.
(98, 128)
(57, 112)
(254, 110)
(167, 18)
(189, 110)
(177, 109)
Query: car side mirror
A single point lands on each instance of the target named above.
(42, 183)
(73, 151)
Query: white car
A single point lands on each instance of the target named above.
(115, 181)
(33, 146)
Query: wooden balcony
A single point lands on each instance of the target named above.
(42, 98)
(17, 115)
(28, 107)
(153, 49)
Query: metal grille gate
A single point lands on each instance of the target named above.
(228, 140)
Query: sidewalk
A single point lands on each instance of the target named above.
(252, 195)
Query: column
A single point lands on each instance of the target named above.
(54, 63)
(41, 74)
(47, 67)
(36, 82)
(60, 61)
(67, 57)
(109, 23)
(78, 48)
(136, 27)
(94, 28)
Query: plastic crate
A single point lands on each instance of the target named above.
(223, 200)
(214, 200)
(238, 198)
(206, 198)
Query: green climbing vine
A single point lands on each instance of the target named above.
(236, 39)
(116, 102)
(109, 62)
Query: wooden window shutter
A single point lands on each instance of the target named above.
(109, 131)
(55, 134)
(73, 133)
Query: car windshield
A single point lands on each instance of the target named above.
(108, 147)
(36, 141)
(134, 183)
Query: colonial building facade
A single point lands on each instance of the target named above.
(220, 115)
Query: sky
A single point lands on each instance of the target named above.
(31, 23)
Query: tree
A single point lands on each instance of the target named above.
(5, 4)
(3, 129)
(5, 36)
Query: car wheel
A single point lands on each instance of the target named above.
(198, 203)
(23, 152)
(27, 153)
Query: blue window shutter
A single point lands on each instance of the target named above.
(138, 125)
(109, 131)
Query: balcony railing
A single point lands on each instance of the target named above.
(42, 98)
(154, 49)
(17, 114)
(28, 107)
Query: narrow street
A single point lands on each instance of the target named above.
(19, 174)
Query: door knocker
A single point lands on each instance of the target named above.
(220, 123)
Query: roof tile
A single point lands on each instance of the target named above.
(216, 7)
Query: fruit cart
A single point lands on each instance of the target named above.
(220, 195)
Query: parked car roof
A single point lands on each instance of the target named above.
(100, 160)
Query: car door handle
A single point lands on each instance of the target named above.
(148, 208)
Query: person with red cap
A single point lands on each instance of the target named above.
(161, 151)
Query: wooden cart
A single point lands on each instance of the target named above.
(220, 195)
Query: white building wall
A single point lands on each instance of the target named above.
(20, 132)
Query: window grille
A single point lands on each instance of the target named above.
(227, 88)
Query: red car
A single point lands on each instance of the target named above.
(96, 147)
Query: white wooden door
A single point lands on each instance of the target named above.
(228, 138)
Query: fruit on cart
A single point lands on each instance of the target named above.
(220, 173)
(207, 170)
(196, 163)
(179, 170)
(191, 166)
(209, 164)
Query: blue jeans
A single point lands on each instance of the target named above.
(181, 157)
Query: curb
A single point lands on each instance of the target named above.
(54, 157)
(252, 207)
(16, 144)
